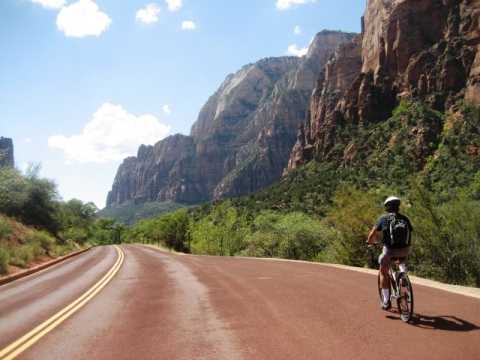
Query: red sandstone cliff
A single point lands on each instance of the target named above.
(409, 49)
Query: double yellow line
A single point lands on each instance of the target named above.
(33, 336)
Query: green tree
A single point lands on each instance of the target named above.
(222, 232)
(447, 238)
(80, 214)
(77, 220)
(108, 224)
(301, 236)
(141, 232)
(263, 240)
(40, 207)
(173, 229)
(350, 219)
(204, 239)
(293, 235)
(13, 192)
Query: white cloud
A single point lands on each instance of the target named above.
(166, 109)
(297, 30)
(51, 4)
(287, 4)
(112, 135)
(188, 25)
(81, 19)
(174, 4)
(294, 50)
(149, 14)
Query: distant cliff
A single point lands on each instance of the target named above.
(242, 139)
(6, 152)
(411, 50)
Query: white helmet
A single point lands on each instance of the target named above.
(392, 199)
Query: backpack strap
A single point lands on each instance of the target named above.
(391, 218)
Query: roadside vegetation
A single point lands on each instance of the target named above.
(446, 245)
(36, 225)
(322, 211)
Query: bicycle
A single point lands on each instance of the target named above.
(400, 289)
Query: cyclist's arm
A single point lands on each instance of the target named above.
(371, 236)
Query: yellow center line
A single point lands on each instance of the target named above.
(33, 336)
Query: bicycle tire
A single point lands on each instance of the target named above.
(405, 299)
(380, 292)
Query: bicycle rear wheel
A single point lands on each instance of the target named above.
(405, 298)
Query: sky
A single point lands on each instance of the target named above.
(84, 83)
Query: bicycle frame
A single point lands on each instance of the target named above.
(400, 290)
(393, 274)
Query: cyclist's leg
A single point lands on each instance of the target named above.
(384, 279)
(402, 254)
(385, 261)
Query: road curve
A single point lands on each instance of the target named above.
(163, 305)
(34, 306)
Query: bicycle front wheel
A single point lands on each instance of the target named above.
(405, 298)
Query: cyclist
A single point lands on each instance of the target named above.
(392, 205)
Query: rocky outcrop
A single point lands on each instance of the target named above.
(142, 177)
(470, 30)
(242, 139)
(6, 152)
(408, 50)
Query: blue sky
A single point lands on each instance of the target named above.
(83, 83)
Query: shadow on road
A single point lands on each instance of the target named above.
(443, 322)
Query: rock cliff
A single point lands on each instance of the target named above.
(242, 139)
(6, 152)
(409, 50)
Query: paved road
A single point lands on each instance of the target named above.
(158, 305)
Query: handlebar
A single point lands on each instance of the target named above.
(375, 243)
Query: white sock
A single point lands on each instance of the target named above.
(386, 295)
(402, 267)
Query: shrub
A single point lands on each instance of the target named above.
(220, 233)
(401, 109)
(291, 236)
(4, 256)
(46, 242)
(36, 249)
(5, 228)
(447, 245)
(61, 250)
(21, 257)
(351, 218)
(78, 235)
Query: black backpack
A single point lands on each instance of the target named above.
(399, 231)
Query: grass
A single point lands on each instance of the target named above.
(31, 246)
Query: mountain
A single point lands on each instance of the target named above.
(242, 139)
(387, 104)
(410, 52)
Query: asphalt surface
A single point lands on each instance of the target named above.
(151, 304)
